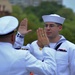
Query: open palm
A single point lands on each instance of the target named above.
(23, 27)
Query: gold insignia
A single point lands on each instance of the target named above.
(40, 48)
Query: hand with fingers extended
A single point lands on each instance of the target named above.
(42, 38)
(23, 27)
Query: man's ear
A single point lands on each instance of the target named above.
(60, 28)
(12, 38)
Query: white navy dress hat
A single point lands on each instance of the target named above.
(8, 24)
(53, 18)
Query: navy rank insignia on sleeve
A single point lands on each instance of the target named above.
(24, 49)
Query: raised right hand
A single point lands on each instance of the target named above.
(42, 38)
(23, 27)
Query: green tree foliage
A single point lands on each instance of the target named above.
(69, 35)
(34, 14)
(69, 25)
(44, 8)
(18, 12)
(67, 13)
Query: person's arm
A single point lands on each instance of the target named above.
(35, 47)
(27, 63)
(19, 41)
(72, 61)
(22, 31)
(47, 67)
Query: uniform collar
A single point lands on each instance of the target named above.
(5, 43)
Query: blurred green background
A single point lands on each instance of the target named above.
(34, 16)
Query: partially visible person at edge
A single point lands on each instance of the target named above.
(65, 50)
(21, 62)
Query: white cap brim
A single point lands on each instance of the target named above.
(53, 18)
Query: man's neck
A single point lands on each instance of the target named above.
(54, 40)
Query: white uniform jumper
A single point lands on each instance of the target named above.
(65, 54)
(21, 62)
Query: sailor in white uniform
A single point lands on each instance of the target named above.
(65, 50)
(21, 62)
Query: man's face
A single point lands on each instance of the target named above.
(52, 29)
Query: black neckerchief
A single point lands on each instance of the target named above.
(58, 46)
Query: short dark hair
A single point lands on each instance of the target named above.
(58, 23)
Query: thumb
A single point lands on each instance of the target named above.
(29, 31)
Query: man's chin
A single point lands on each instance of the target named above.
(49, 36)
